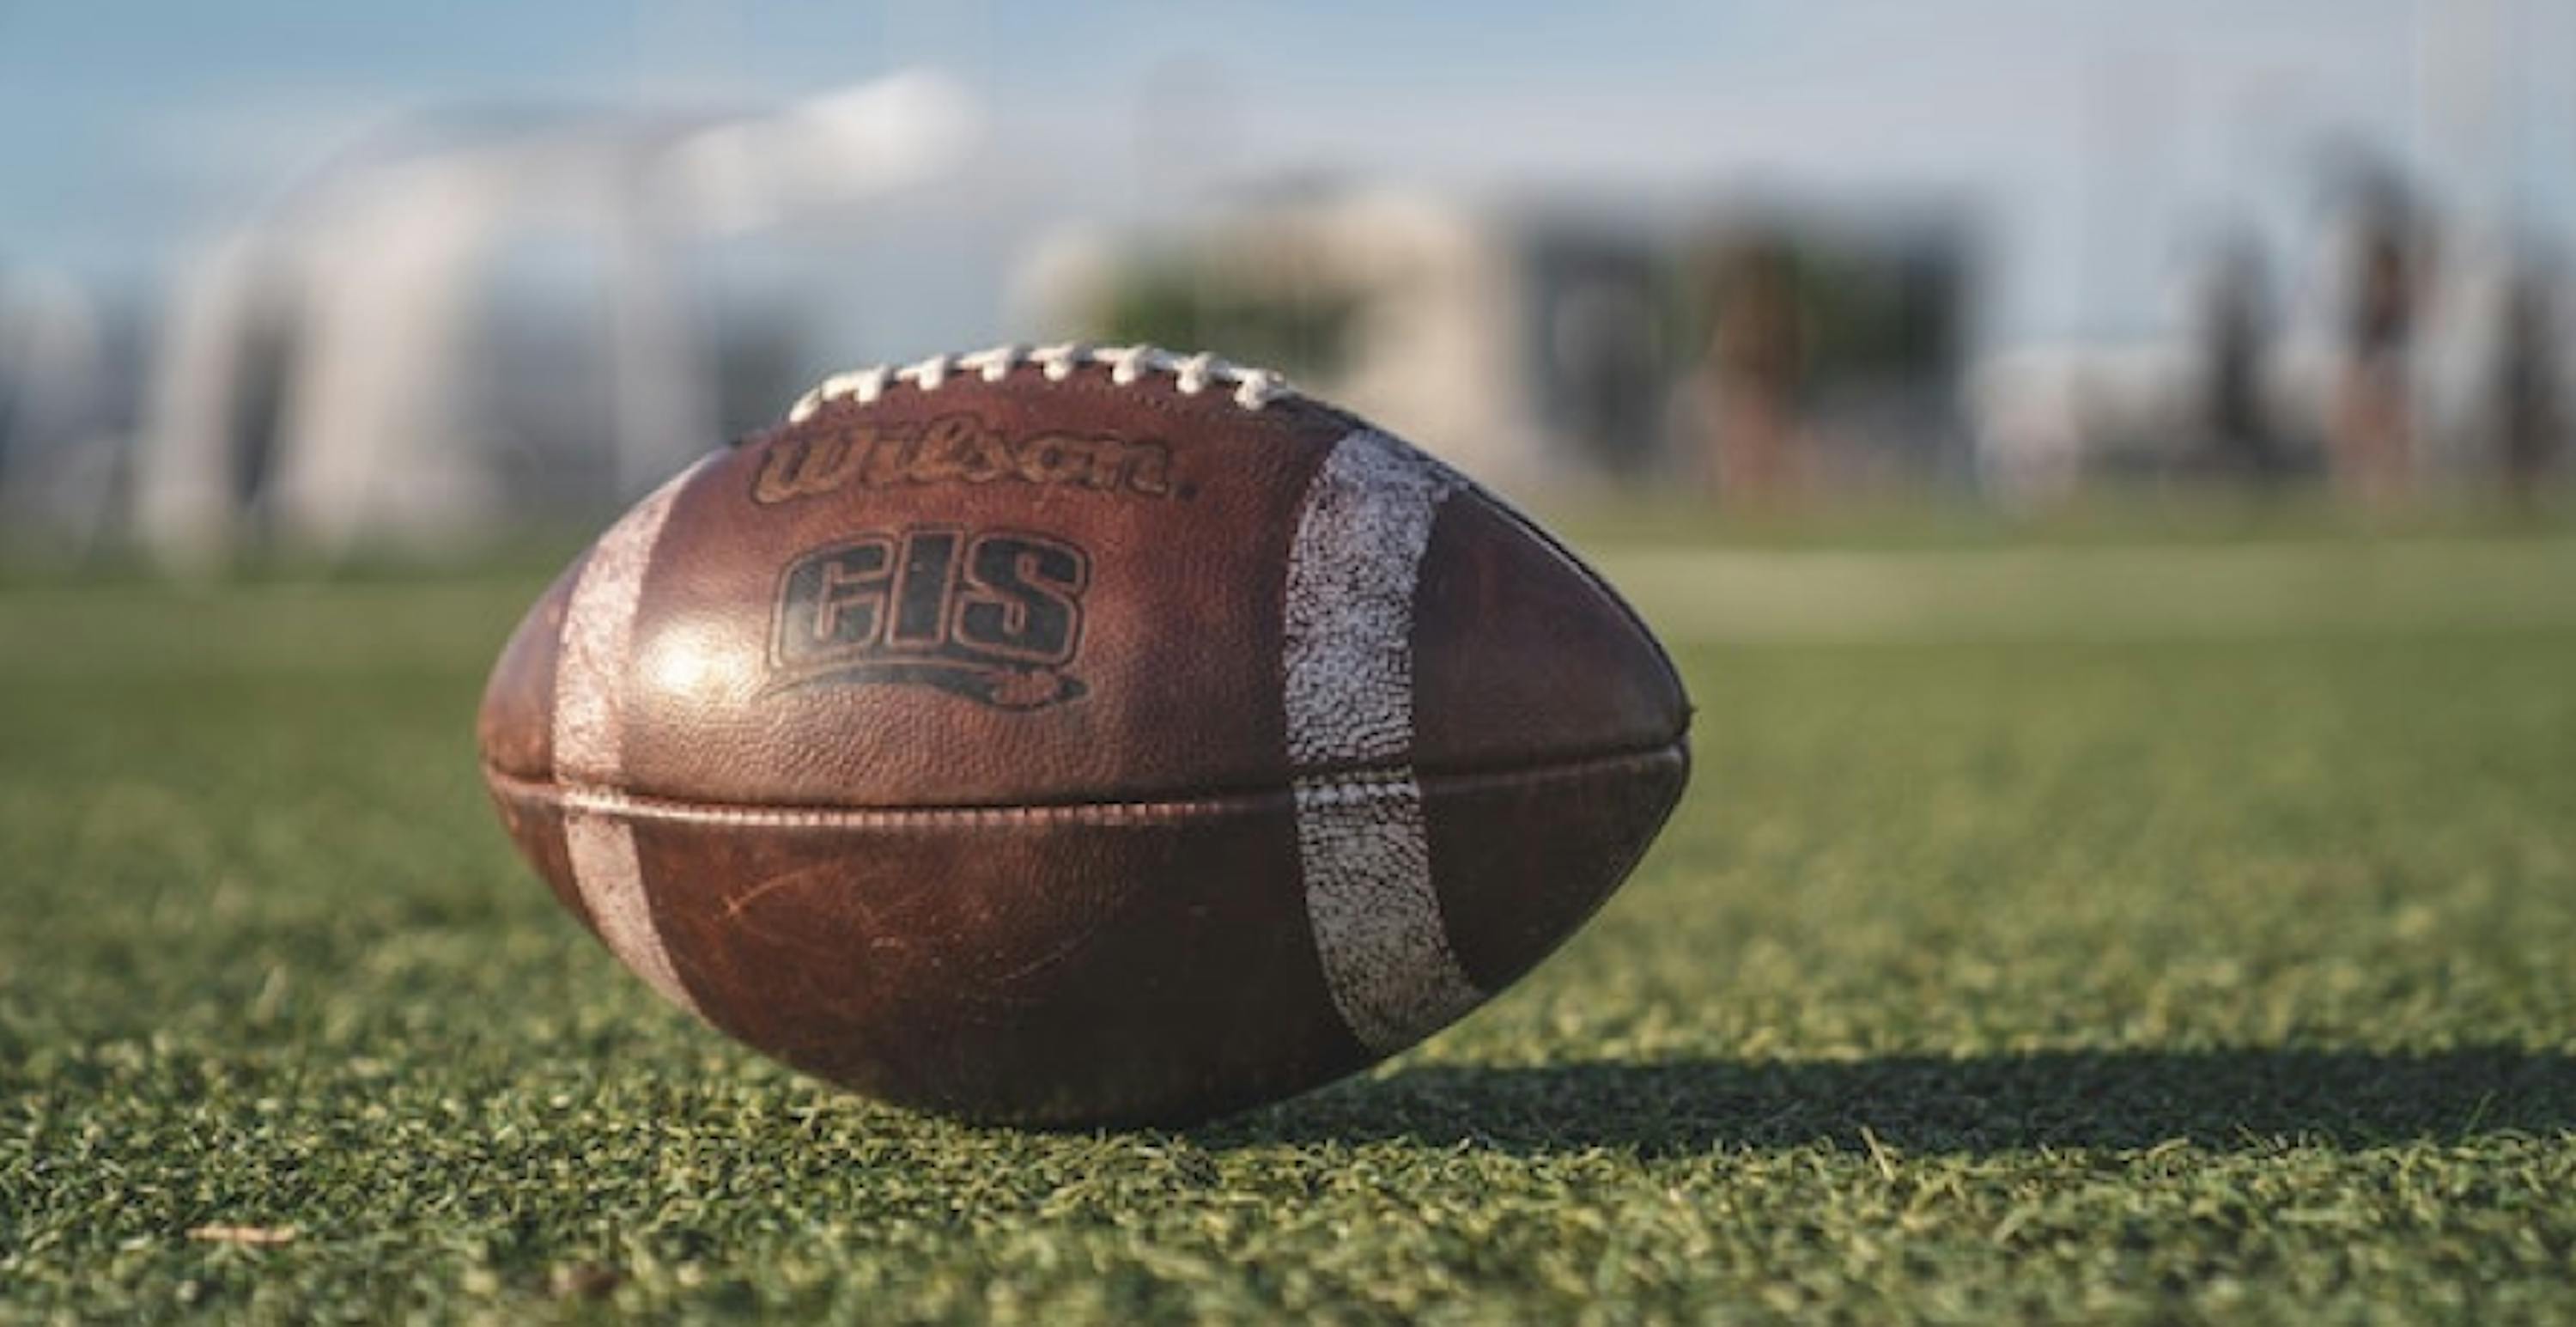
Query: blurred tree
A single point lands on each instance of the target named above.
(2389, 274)
(2531, 422)
(2235, 335)
(1757, 359)
(1303, 330)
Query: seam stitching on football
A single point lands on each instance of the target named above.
(1354, 784)
(1191, 374)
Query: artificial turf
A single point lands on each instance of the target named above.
(2222, 973)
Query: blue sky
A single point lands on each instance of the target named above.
(2097, 139)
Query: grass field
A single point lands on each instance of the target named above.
(2160, 933)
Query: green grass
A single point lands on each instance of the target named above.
(2119, 964)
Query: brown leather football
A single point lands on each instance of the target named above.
(1079, 737)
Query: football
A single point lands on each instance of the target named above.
(1074, 736)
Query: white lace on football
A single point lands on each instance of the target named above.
(1191, 374)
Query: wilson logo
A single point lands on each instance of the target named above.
(954, 449)
(993, 617)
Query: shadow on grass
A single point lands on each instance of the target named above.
(2227, 1099)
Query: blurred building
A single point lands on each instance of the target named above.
(490, 325)
(1557, 343)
